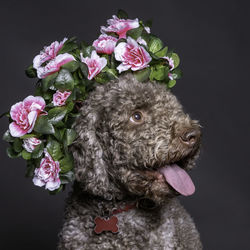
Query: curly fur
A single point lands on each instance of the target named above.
(116, 162)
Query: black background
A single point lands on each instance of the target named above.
(212, 40)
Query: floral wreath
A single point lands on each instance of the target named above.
(40, 128)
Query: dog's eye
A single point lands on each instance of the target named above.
(137, 117)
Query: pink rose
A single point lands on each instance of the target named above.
(120, 26)
(24, 115)
(59, 98)
(48, 53)
(54, 65)
(132, 55)
(95, 64)
(105, 44)
(30, 144)
(48, 173)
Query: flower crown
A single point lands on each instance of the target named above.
(40, 128)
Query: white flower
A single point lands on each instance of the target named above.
(48, 173)
(95, 64)
(30, 144)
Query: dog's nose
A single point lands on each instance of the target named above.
(190, 137)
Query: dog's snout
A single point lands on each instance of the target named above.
(190, 137)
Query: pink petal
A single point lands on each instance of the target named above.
(32, 119)
(132, 42)
(54, 65)
(120, 50)
(95, 64)
(105, 44)
(63, 59)
(16, 131)
(38, 182)
(15, 110)
(48, 53)
(53, 185)
(35, 102)
(123, 67)
(120, 26)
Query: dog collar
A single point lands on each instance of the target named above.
(110, 223)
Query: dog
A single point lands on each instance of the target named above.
(135, 145)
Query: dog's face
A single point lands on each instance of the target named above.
(135, 138)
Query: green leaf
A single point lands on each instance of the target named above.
(76, 77)
(7, 137)
(70, 136)
(163, 52)
(122, 14)
(59, 134)
(142, 75)
(26, 155)
(71, 119)
(31, 165)
(64, 80)
(112, 74)
(86, 52)
(176, 59)
(70, 107)
(176, 74)
(158, 73)
(83, 44)
(31, 72)
(43, 126)
(60, 124)
(135, 33)
(71, 39)
(84, 69)
(68, 46)
(67, 177)
(113, 63)
(66, 164)
(102, 78)
(38, 151)
(171, 83)
(146, 36)
(48, 81)
(71, 66)
(28, 136)
(55, 115)
(17, 145)
(48, 96)
(11, 153)
(54, 149)
(155, 44)
(38, 90)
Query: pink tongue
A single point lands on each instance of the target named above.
(178, 179)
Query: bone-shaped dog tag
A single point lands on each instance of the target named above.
(103, 224)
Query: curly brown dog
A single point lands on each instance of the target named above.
(135, 144)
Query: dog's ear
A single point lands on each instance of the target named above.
(88, 152)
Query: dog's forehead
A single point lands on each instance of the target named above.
(148, 95)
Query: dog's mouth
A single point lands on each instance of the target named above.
(178, 178)
(174, 174)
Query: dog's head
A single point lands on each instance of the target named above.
(135, 138)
